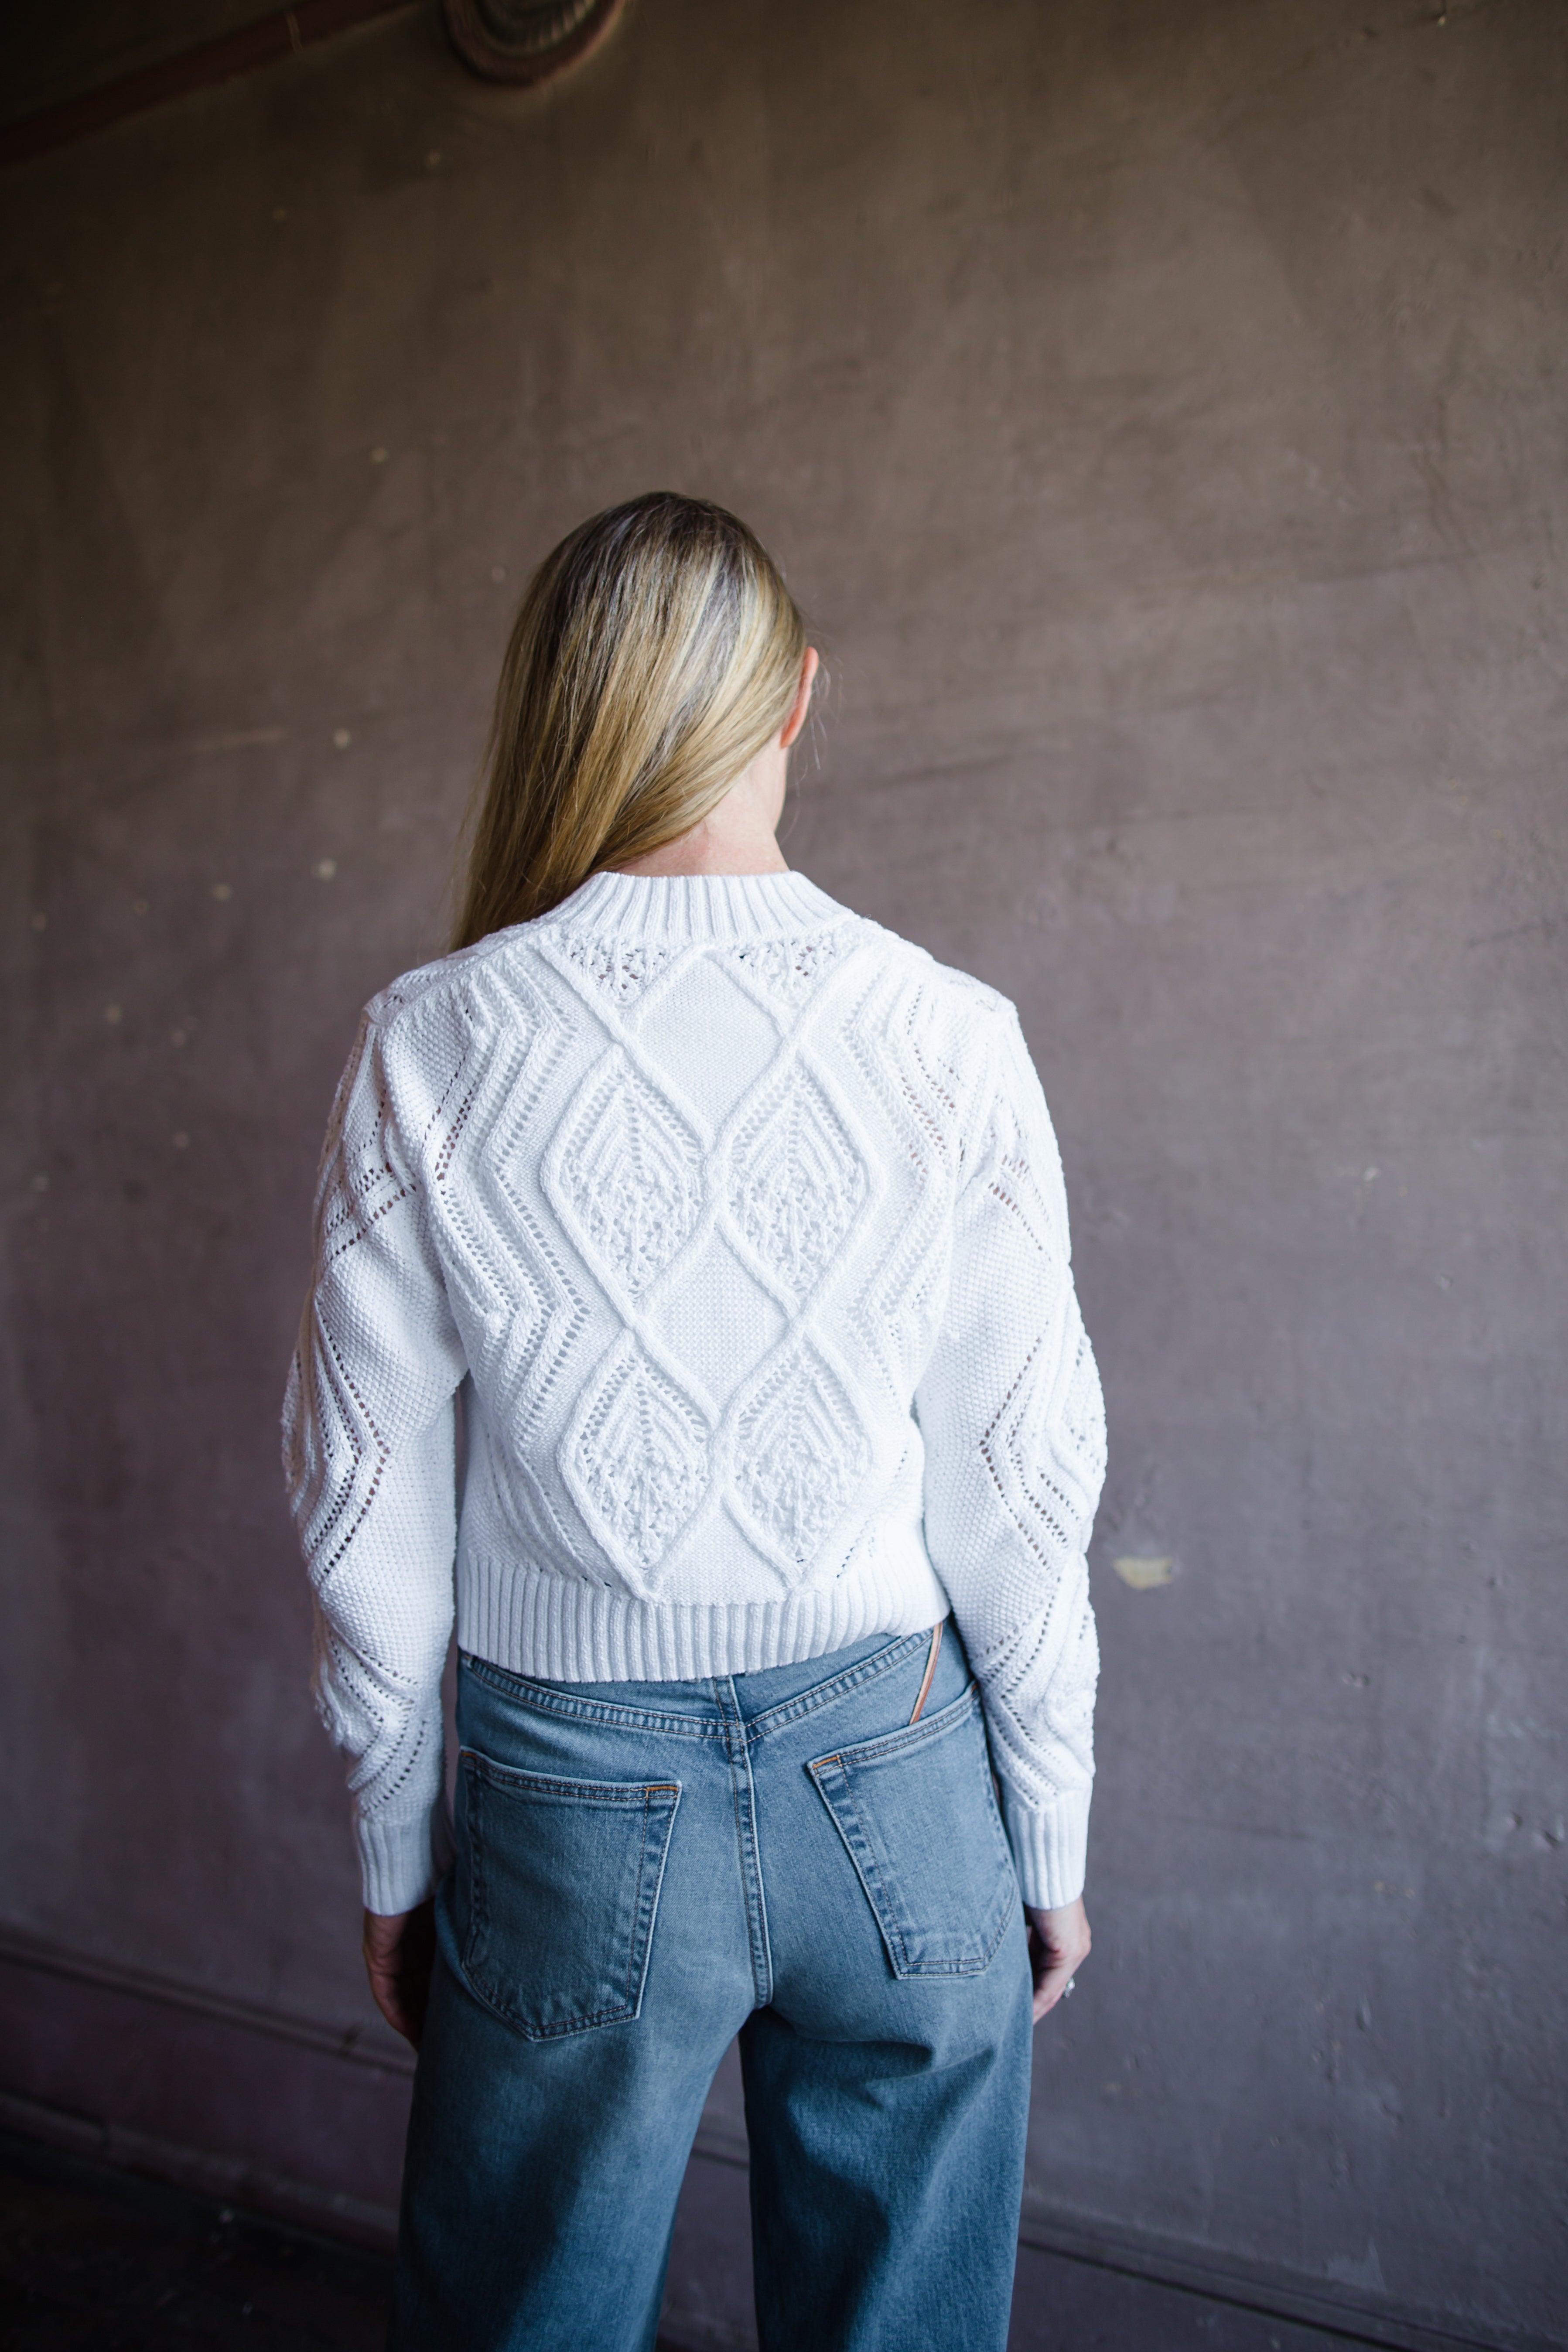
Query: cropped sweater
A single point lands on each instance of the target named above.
(729, 1228)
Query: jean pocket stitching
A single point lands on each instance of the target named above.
(612, 1796)
(950, 1718)
(862, 1859)
(636, 1937)
(629, 2006)
(609, 1793)
(845, 1816)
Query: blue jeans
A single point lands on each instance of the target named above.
(644, 1870)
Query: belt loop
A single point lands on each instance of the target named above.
(932, 1656)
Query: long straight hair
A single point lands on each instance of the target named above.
(656, 651)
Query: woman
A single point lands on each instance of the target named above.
(737, 1224)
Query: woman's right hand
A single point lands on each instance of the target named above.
(1058, 1943)
(399, 1953)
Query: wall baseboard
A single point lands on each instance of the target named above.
(230, 2180)
(1268, 2289)
(306, 2121)
(223, 2095)
(372, 2045)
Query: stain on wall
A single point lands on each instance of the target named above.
(1158, 410)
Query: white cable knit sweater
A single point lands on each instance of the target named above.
(739, 1221)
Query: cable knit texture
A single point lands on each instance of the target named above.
(730, 1229)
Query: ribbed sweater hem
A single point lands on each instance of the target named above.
(531, 1622)
(1050, 1847)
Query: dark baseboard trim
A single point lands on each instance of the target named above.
(357, 2045)
(263, 43)
(219, 2095)
(1270, 2290)
(228, 2181)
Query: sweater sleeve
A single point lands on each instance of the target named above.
(369, 1456)
(1013, 1424)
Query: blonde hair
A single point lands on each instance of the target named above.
(655, 653)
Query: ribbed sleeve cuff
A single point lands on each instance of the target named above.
(1050, 1849)
(403, 1859)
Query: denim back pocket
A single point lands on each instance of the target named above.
(556, 1888)
(918, 1813)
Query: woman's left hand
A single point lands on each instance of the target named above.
(399, 1953)
(1059, 1944)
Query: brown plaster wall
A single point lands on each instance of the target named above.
(1158, 408)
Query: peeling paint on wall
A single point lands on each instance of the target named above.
(1142, 1571)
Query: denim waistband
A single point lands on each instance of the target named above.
(767, 1699)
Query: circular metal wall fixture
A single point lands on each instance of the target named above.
(522, 41)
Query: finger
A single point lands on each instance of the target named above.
(1049, 1988)
(387, 1991)
(400, 2015)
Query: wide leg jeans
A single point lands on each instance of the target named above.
(644, 1870)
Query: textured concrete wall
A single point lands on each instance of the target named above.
(1158, 408)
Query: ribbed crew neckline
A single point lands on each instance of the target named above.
(689, 907)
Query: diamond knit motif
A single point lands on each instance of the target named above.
(528, 1348)
(894, 1312)
(622, 968)
(637, 1458)
(1046, 1449)
(796, 1183)
(800, 1456)
(790, 968)
(630, 1174)
(525, 1313)
(1080, 1406)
